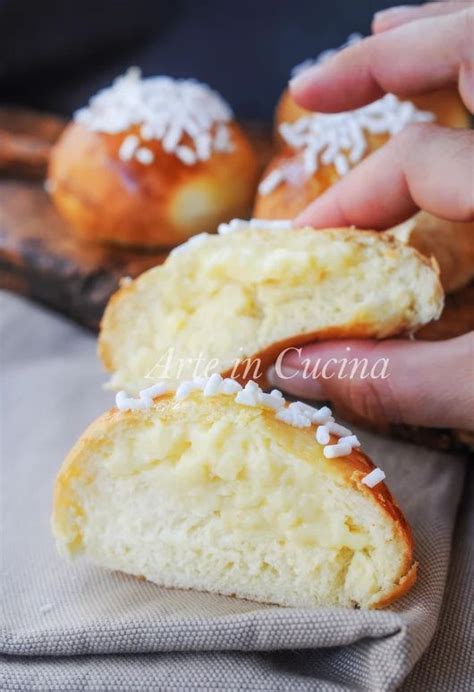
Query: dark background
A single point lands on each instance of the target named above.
(55, 55)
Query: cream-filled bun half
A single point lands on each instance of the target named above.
(150, 162)
(227, 490)
(220, 301)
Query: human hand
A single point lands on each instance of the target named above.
(413, 49)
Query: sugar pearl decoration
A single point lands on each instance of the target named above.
(231, 227)
(145, 399)
(297, 414)
(341, 449)
(188, 118)
(373, 478)
(341, 138)
(244, 224)
(194, 241)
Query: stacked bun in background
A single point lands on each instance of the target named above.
(150, 162)
(316, 150)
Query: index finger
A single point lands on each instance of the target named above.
(395, 16)
(413, 58)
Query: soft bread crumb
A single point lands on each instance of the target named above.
(237, 295)
(206, 494)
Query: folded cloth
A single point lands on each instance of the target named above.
(56, 610)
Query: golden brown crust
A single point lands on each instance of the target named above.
(404, 585)
(351, 469)
(110, 200)
(450, 242)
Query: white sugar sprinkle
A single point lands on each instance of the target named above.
(128, 147)
(322, 416)
(230, 386)
(155, 390)
(212, 385)
(322, 435)
(243, 224)
(373, 478)
(341, 138)
(271, 181)
(184, 389)
(194, 241)
(293, 415)
(125, 403)
(341, 449)
(144, 155)
(186, 155)
(337, 429)
(165, 109)
(48, 186)
(352, 440)
(297, 414)
(271, 401)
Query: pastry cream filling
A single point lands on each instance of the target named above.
(229, 505)
(228, 297)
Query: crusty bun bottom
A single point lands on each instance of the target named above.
(110, 200)
(208, 494)
(223, 299)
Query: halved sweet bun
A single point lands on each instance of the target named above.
(221, 299)
(451, 243)
(202, 492)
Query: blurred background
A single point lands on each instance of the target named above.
(55, 55)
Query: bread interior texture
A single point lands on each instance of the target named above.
(234, 296)
(210, 495)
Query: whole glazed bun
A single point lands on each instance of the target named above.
(231, 303)
(321, 149)
(151, 162)
(231, 492)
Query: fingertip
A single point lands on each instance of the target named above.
(324, 212)
(392, 17)
(303, 86)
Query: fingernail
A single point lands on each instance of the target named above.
(302, 78)
(392, 12)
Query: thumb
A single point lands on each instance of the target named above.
(395, 381)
